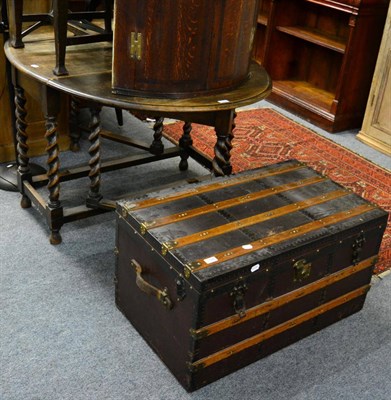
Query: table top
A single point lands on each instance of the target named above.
(90, 75)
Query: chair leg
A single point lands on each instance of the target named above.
(108, 15)
(60, 20)
(108, 5)
(15, 14)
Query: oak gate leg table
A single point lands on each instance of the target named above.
(89, 79)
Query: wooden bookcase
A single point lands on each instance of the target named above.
(321, 56)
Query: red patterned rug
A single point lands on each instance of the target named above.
(264, 137)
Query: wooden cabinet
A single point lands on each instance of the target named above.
(182, 48)
(376, 129)
(321, 56)
(35, 119)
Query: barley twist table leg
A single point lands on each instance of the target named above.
(94, 193)
(231, 134)
(21, 125)
(157, 146)
(221, 158)
(52, 162)
(54, 205)
(184, 143)
(22, 146)
(223, 126)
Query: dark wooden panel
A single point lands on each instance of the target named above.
(188, 47)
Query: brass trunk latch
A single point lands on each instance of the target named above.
(239, 303)
(357, 248)
(302, 270)
(180, 289)
(136, 40)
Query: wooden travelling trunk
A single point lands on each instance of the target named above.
(181, 48)
(216, 275)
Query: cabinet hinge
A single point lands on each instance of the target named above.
(136, 41)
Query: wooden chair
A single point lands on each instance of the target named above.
(62, 19)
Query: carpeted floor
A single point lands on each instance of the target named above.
(264, 136)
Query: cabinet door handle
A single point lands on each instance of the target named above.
(143, 285)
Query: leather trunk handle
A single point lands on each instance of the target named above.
(146, 287)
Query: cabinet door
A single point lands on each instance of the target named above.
(158, 45)
(376, 129)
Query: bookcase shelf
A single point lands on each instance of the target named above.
(315, 36)
(304, 93)
(321, 56)
(262, 19)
